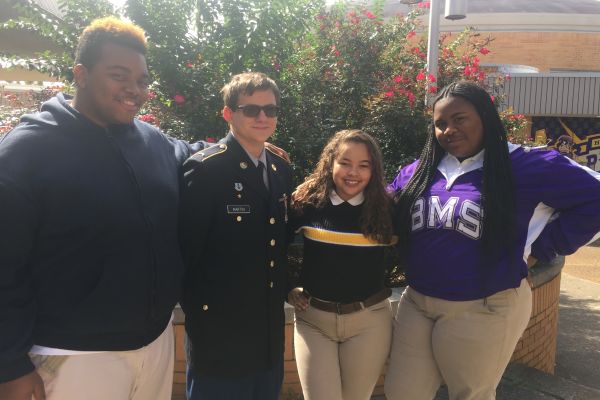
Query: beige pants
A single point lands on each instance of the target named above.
(143, 374)
(341, 356)
(466, 344)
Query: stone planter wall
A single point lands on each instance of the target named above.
(537, 347)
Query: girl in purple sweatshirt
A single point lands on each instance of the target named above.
(473, 213)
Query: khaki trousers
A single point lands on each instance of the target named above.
(466, 344)
(341, 356)
(143, 374)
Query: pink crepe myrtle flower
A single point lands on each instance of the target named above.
(468, 71)
(411, 98)
(149, 118)
(179, 99)
(447, 52)
(369, 14)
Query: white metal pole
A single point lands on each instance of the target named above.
(432, 46)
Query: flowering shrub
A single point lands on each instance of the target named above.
(516, 127)
(192, 54)
(338, 68)
(28, 102)
(356, 70)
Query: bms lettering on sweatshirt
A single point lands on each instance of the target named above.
(464, 217)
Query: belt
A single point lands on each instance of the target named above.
(347, 308)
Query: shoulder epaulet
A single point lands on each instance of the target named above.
(270, 150)
(211, 151)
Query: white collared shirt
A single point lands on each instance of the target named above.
(452, 168)
(337, 200)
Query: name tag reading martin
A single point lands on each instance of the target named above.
(238, 208)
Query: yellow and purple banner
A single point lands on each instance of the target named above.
(578, 138)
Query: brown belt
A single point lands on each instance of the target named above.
(347, 308)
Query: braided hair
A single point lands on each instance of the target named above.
(497, 197)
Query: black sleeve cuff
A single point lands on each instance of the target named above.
(16, 369)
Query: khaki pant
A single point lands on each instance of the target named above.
(143, 374)
(341, 356)
(466, 344)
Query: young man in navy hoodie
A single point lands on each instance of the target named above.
(90, 268)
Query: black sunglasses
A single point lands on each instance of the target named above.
(252, 110)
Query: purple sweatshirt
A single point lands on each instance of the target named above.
(558, 211)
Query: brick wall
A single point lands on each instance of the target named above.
(537, 347)
(545, 50)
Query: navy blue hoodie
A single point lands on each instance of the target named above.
(89, 258)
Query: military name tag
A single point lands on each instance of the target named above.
(238, 209)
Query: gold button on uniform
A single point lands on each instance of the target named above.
(271, 284)
(272, 242)
(272, 220)
(205, 307)
(272, 263)
(238, 218)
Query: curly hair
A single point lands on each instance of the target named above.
(498, 192)
(376, 217)
(108, 30)
(247, 83)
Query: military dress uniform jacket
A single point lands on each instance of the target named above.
(233, 239)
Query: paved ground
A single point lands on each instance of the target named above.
(578, 347)
(584, 264)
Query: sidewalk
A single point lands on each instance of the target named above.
(577, 375)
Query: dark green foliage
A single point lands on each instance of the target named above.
(196, 46)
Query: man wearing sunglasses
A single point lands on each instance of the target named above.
(234, 203)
